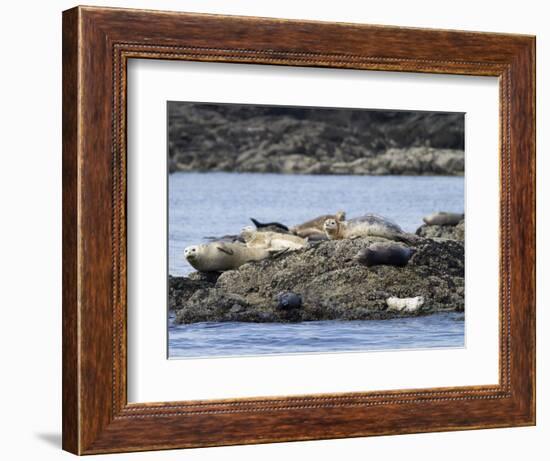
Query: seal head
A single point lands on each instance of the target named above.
(331, 228)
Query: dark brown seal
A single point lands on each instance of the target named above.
(389, 254)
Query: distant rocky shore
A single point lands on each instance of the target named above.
(204, 137)
(329, 282)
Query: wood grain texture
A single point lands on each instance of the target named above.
(97, 43)
(70, 384)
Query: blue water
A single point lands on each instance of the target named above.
(210, 339)
(216, 204)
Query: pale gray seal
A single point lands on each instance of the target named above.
(443, 219)
(223, 256)
(369, 225)
(271, 240)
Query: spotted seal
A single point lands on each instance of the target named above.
(369, 225)
(443, 219)
(314, 227)
(271, 240)
(223, 256)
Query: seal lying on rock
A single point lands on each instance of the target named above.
(269, 225)
(288, 300)
(381, 253)
(404, 304)
(369, 225)
(443, 219)
(223, 256)
(271, 240)
(314, 227)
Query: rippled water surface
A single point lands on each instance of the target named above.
(216, 204)
(236, 338)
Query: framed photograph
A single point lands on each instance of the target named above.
(282, 230)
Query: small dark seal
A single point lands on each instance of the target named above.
(288, 300)
(389, 254)
(271, 225)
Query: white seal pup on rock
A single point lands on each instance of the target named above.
(223, 256)
(271, 240)
(314, 227)
(369, 225)
(405, 304)
(381, 253)
(443, 219)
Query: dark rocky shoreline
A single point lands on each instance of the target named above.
(330, 282)
(262, 139)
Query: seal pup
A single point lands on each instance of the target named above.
(222, 256)
(314, 227)
(405, 304)
(271, 240)
(369, 225)
(381, 253)
(269, 225)
(443, 219)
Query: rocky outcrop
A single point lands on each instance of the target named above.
(331, 285)
(240, 138)
(442, 232)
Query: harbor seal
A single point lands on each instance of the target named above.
(275, 226)
(314, 227)
(443, 219)
(271, 240)
(408, 305)
(222, 256)
(288, 300)
(380, 253)
(369, 225)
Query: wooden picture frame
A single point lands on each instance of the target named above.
(97, 43)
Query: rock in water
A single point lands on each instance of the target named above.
(331, 284)
(442, 231)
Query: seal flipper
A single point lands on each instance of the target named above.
(225, 250)
(409, 239)
(259, 225)
(277, 253)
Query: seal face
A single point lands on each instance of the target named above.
(332, 229)
(369, 225)
(315, 227)
(405, 304)
(381, 253)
